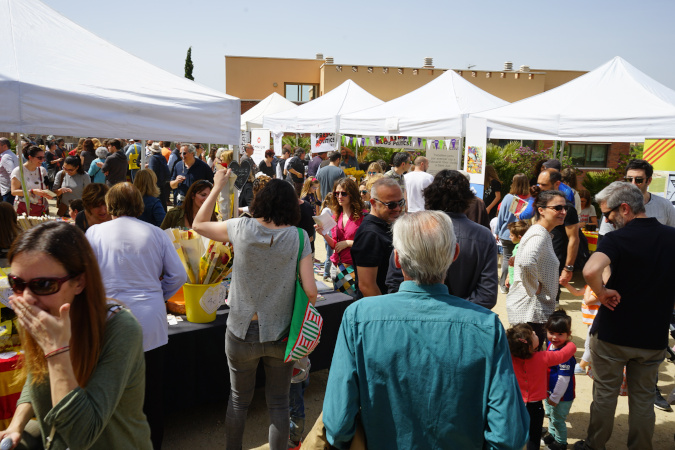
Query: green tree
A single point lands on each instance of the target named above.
(188, 65)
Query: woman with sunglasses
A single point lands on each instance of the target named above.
(532, 296)
(373, 169)
(348, 211)
(83, 352)
(70, 183)
(261, 300)
(142, 270)
(34, 175)
(183, 215)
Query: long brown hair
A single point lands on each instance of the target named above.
(196, 187)
(491, 174)
(520, 185)
(88, 310)
(355, 201)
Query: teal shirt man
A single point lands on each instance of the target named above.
(424, 369)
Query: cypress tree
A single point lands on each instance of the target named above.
(188, 65)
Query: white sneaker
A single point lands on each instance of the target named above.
(503, 290)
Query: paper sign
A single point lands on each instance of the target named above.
(440, 159)
(476, 142)
(260, 140)
(212, 299)
(242, 171)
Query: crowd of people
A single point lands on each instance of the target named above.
(90, 298)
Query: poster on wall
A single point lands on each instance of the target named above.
(260, 139)
(443, 158)
(474, 157)
(324, 142)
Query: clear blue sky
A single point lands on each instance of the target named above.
(575, 35)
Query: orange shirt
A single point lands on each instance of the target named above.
(166, 152)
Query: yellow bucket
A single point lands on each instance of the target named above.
(193, 310)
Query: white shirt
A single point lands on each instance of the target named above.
(34, 180)
(661, 209)
(132, 255)
(415, 183)
(8, 161)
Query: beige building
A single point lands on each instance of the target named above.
(300, 80)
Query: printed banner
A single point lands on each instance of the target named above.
(442, 158)
(324, 142)
(474, 157)
(260, 139)
(660, 153)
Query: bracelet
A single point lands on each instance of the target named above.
(58, 351)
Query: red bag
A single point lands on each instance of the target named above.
(36, 210)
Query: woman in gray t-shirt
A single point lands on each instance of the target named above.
(261, 299)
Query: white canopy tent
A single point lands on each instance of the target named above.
(58, 78)
(439, 108)
(273, 103)
(613, 103)
(322, 115)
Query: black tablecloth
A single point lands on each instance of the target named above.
(196, 369)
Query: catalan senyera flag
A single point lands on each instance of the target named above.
(12, 378)
(660, 153)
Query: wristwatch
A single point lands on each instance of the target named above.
(569, 268)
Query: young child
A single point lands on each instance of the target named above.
(311, 194)
(516, 232)
(531, 368)
(325, 206)
(561, 381)
(296, 401)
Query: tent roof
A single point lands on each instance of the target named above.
(58, 78)
(614, 103)
(271, 104)
(322, 115)
(436, 109)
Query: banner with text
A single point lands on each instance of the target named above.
(260, 139)
(324, 142)
(474, 157)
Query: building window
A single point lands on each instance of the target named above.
(301, 92)
(588, 155)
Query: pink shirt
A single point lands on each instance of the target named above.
(532, 374)
(344, 233)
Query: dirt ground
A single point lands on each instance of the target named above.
(204, 426)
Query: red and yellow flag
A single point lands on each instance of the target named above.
(660, 153)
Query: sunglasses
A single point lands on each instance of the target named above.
(606, 214)
(638, 180)
(392, 205)
(364, 192)
(340, 194)
(38, 286)
(372, 173)
(557, 208)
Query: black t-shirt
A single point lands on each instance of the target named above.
(269, 171)
(559, 235)
(372, 247)
(641, 255)
(295, 163)
(306, 221)
(489, 195)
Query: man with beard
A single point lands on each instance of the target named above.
(631, 328)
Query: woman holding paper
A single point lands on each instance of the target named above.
(261, 300)
(142, 270)
(514, 202)
(348, 211)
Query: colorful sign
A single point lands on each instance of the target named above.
(660, 153)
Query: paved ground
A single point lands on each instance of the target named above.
(203, 427)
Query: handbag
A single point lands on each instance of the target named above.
(36, 209)
(306, 322)
(345, 279)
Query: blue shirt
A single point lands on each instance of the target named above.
(199, 170)
(565, 369)
(426, 370)
(153, 213)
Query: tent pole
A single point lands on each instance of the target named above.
(142, 155)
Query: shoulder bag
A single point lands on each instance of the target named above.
(306, 322)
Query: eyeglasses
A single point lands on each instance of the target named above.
(606, 214)
(392, 205)
(38, 286)
(557, 208)
(340, 194)
(638, 180)
(364, 192)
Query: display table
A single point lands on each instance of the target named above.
(196, 369)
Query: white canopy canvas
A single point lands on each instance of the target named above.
(58, 78)
(273, 103)
(613, 103)
(437, 109)
(322, 115)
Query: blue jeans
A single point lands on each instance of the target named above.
(556, 420)
(296, 404)
(9, 198)
(326, 264)
(243, 357)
